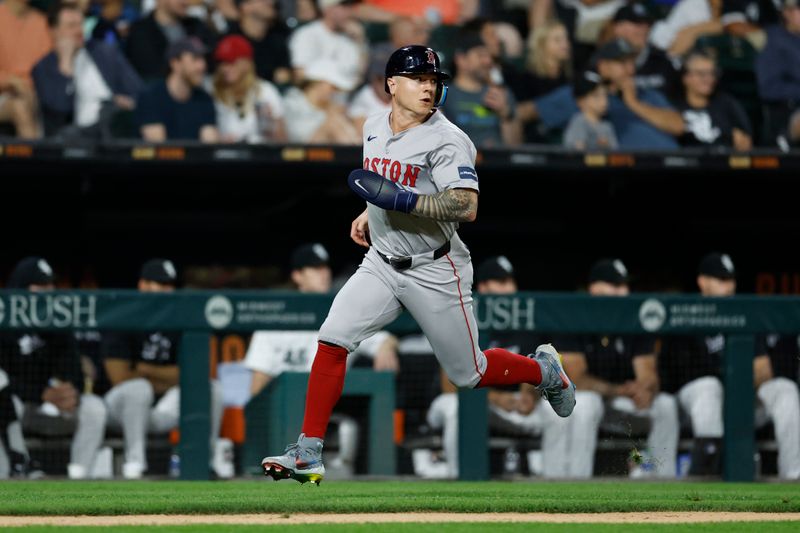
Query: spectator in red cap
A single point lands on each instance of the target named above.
(249, 109)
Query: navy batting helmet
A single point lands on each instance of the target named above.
(418, 59)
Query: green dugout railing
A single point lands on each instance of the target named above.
(199, 313)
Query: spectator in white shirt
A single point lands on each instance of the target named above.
(687, 21)
(337, 38)
(249, 109)
(317, 115)
(81, 85)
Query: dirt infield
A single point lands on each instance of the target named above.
(277, 519)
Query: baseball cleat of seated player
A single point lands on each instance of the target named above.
(301, 461)
(556, 387)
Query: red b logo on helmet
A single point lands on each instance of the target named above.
(431, 57)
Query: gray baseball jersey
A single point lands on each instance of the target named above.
(426, 158)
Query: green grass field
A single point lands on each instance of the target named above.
(264, 496)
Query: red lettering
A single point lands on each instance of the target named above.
(366, 163)
(410, 178)
(395, 171)
(375, 162)
(385, 164)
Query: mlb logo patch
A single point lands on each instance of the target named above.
(467, 173)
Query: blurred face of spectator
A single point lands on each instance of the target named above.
(146, 285)
(324, 92)
(414, 93)
(616, 70)
(259, 9)
(556, 44)
(497, 286)
(405, 31)
(306, 10)
(234, 71)
(700, 77)
(176, 8)
(69, 27)
(596, 102)
(604, 288)
(791, 15)
(634, 32)
(190, 68)
(338, 16)
(711, 286)
(475, 63)
(491, 39)
(315, 280)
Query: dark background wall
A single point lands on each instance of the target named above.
(98, 218)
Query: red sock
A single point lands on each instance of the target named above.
(324, 388)
(508, 368)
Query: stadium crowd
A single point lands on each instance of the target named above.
(588, 74)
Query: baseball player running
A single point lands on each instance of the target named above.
(420, 182)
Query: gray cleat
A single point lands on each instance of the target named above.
(301, 461)
(556, 387)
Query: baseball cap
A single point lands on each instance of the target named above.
(29, 271)
(309, 255)
(233, 47)
(614, 50)
(718, 266)
(586, 82)
(635, 12)
(159, 270)
(610, 271)
(494, 268)
(191, 45)
(785, 4)
(326, 70)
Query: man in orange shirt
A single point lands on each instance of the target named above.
(434, 11)
(24, 40)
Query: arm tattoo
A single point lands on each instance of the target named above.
(451, 205)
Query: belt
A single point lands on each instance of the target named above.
(403, 263)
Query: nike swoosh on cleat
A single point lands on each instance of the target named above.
(371, 137)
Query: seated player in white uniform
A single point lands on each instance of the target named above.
(693, 366)
(272, 352)
(512, 409)
(617, 379)
(145, 394)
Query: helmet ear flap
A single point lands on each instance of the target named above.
(441, 94)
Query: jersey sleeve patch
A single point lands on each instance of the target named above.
(467, 173)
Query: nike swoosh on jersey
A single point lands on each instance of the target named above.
(371, 137)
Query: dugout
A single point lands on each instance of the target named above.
(198, 313)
